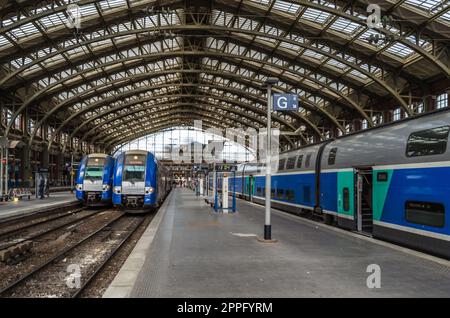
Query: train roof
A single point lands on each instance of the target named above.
(137, 152)
(431, 114)
(98, 155)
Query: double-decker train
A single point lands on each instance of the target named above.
(94, 180)
(141, 182)
(391, 182)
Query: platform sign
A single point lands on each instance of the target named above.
(285, 102)
(225, 193)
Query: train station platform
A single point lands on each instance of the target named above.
(190, 251)
(12, 209)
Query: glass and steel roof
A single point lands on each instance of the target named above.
(108, 71)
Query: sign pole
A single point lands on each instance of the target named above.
(71, 174)
(267, 223)
(3, 166)
(6, 172)
(1, 172)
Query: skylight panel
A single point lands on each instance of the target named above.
(432, 7)
(428, 5)
(358, 74)
(266, 2)
(337, 64)
(87, 10)
(110, 4)
(18, 63)
(313, 54)
(9, 21)
(290, 46)
(3, 41)
(421, 42)
(345, 26)
(23, 31)
(316, 16)
(399, 49)
(53, 20)
(288, 7)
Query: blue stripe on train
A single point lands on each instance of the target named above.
(328, 191)
(301, 184)
(423, 184)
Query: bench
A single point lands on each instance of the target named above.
(20, 193)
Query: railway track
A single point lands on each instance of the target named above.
(32, 216)
(37, 220)
(15, 235)
(71, 270)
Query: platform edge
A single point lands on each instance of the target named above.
(123, 283)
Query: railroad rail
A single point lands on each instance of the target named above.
(134, 224)
(12, 232)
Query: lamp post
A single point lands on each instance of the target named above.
(267, 224)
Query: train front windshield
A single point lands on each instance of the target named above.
(135, 168)
(94, 169)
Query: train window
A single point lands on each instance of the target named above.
(308, 160)
(260, 167)
(272, 193)
(428, 142)
(299, 161)
(307, 194)
(258, 190)
(425, 213)
(290, 195)
(94, 169)
(291, 163)
(134, 169)
(346, 195)
(281, 164)
(382, 176)
(332, 156)
(280, 194)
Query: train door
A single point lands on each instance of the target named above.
(249, 188)
(363, 200)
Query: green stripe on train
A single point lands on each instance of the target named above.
(380, 191)
(345, 182)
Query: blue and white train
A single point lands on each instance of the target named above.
(391, 182)
(141, 182)
(94, 180)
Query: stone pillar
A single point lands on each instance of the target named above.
(60, 167)
(45, 157)
(25, 169)
(26, 165)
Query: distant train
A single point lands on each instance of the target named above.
(141, 182)
(94, 180)
(391, 182)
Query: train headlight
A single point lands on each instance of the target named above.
(117, 190)
(149, 190)
(79, 187)
(106, 187)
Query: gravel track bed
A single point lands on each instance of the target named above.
(51, 244)
(30, 220)
(39, 229)
(100, 283)
(30, 217)
(59, 279)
